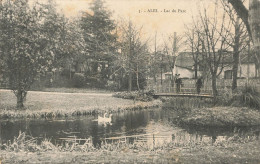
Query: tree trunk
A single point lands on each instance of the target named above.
(172, 80)
(214, 87)
(254, 22)
(130, 82)
(196, 69)
(235, 55)
(137, 78)
(235, 69)
(20, 99)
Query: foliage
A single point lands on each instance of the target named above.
(247, 96)
(222, 117)
(22, 46)
(34, 40)
(100, 38)
(229, 150)
(131, 66)
(135, 95)
(225, 97)
(79, 80)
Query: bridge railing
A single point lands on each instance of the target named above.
(160, 89)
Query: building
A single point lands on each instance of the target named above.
(185, 66)
(246, 67)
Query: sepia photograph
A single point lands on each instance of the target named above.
(130, 81)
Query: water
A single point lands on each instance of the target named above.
(153, 127)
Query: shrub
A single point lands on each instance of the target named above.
(225, 97)
(79, 80)
(66, 73)
(135, 95)
(112, 85)
(250, 97)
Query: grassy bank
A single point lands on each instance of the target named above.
(56, 104)
(74, 90)
(222, 116)
(202, 113)
(233, 150)
(135, 95)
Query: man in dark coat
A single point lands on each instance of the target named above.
(199, 84)
(178, 83)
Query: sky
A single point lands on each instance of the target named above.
(157, 20)
(160, 17)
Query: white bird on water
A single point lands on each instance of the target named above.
(104, 118)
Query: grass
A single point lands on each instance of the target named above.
(233, 150)
(56, 104)
(135, 95)
(194, 111)
(75, 90)
(222, 116)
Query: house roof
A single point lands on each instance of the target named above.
(244, 58)
(184, 60)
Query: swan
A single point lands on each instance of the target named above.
(104, 118)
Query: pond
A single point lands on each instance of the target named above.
(154, 127)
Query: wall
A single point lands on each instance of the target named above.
(184, 73)
(242, 71)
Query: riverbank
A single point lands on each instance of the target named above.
(197, 112)
(233, 150)
(57, 104)
(222, 116)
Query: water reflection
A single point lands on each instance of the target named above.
(152, 127)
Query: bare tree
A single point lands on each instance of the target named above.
(214, 43)
(193, 37)
(172, 45)
(134, 53)
(237, 39)
(251, 19)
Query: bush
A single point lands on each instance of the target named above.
(225, 97)
(135, 95)
(249, 96)
(112, 85)
(78, 80)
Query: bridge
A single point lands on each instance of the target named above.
(185, 92)
(157, 95)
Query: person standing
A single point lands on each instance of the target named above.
(178, 83)
(199, 84)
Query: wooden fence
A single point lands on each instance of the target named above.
(189, 85)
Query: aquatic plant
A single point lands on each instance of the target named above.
(231, 150)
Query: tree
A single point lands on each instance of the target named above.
(134, 54)
(252, 21)
(64, 36)
(100, 37)
(214, 44)
(193, 41)
(22, 46)
(172, 45)
(238, 39)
